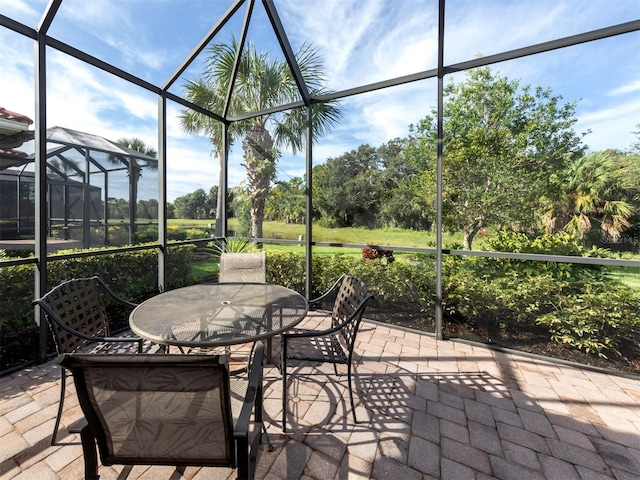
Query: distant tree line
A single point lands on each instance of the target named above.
(512, 159)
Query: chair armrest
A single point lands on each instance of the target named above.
(54, 317)
(328, 293)
(112, 294)
(253, 395)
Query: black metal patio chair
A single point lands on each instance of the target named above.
(176, 410)
(331, 345)
(77, 317)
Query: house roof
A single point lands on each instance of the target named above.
(14, 131)
(15, 117)
(67, 136)
(59, 138)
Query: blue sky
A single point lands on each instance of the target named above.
(360, 41)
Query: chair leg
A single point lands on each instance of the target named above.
(283, 368)
(63, 383)
(90, 454)
(244, 458)
(353, 408)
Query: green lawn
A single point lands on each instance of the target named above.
(396, 237)
(385, 236)
(628, 276)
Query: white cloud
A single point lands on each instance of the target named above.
(632, 86)
(16, 80)
(611, 126)
(25, 11)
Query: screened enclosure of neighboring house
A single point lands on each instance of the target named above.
(84, 172)
(386, 128)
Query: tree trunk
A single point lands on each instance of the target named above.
(261, 170)
(469, 235)
(219, 223)
(257, 215)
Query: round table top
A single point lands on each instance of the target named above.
(218, 314)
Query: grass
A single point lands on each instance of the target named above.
(628, 275)
(353, 235)
(204, 269)
(380, 236)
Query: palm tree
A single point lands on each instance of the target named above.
(134, 172)
(259, 84)
(590, 195)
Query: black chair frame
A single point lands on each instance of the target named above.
(332, 345)
(77, 317)
(241, 441)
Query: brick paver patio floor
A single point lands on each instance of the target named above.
(427, 409)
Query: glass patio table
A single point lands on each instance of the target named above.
(216, 315)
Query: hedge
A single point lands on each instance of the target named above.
(131, 275)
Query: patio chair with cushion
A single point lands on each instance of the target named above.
(176, 410)
(77, 317)
(335, 344)
(243, 267)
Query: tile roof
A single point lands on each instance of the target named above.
(16, 117)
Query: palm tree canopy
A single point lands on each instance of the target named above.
(253, 82)
(259, 83)
(591, 195)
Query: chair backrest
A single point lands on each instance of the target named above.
(243, 267)
(157, 409)
(349, 306)
(79, 305)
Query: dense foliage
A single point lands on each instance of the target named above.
(132, 275)
(578, 305)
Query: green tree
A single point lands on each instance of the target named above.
(399, 205)
(148, 209)
(192, 205)
(592, 187)
(502, 145)
(287, 201)
(344, 188)
(118, 208)
(260, 83)
(240, 209)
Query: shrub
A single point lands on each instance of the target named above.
(286, 269)
(578, 305)
(132, 275)
(16, 295)
(398, 282)
(548, 244)
(598, 321)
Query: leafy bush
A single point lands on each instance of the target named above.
(502, 302)
(132, 275)
(560, 243)
(397, 282)
(16, 253)
(16, 295)
(577, 304)
(598, 321)
(286, 269)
